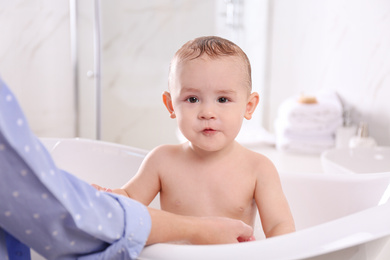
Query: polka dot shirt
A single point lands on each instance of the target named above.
(52, 211)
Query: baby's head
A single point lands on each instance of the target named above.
(210, 92)
(212, 47)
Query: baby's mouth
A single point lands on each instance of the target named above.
(208, 131)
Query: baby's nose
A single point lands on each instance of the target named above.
(207, 112)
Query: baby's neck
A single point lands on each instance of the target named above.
(211, 155)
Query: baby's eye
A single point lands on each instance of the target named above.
(223, 100)
(192, 99)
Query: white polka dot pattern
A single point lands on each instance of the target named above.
(52, 210)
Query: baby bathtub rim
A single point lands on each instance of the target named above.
(353, 229)
(331, 165)
(290, 242)
(51, 143)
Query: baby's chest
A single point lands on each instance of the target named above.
(224, 181)
(227, 194)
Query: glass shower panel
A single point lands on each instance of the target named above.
(85, 67)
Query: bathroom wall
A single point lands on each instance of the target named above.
(312, 45)
(139, 39)
(35, 62)
(342, 45)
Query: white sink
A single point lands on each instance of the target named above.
(356, 160)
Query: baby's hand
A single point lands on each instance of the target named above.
(252, 238)
(99, 188)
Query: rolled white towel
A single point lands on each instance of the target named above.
(308, 128)
(284, 127)
(315, 143)
(327, 109)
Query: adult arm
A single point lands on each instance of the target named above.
(195, 230)
(54, 212)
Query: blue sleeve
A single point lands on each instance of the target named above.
(52, 211)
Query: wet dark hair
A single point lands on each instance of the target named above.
(214, 47)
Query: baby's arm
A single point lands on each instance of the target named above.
(145, 185)
(273, 207)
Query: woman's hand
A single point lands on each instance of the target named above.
(100, 188)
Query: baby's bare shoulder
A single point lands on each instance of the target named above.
(166, 148)
(259, 163)
(255, 157)
(165, 152)
(161, 157)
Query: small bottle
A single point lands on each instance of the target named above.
(362, 139)
(346, 131)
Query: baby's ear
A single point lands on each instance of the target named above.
(168, 103)
(253, 100)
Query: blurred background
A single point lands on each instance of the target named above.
(97, 69)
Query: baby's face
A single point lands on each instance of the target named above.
(209, 98)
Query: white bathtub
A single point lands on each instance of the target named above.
(337, 216)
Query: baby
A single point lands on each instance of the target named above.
(211, 174)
